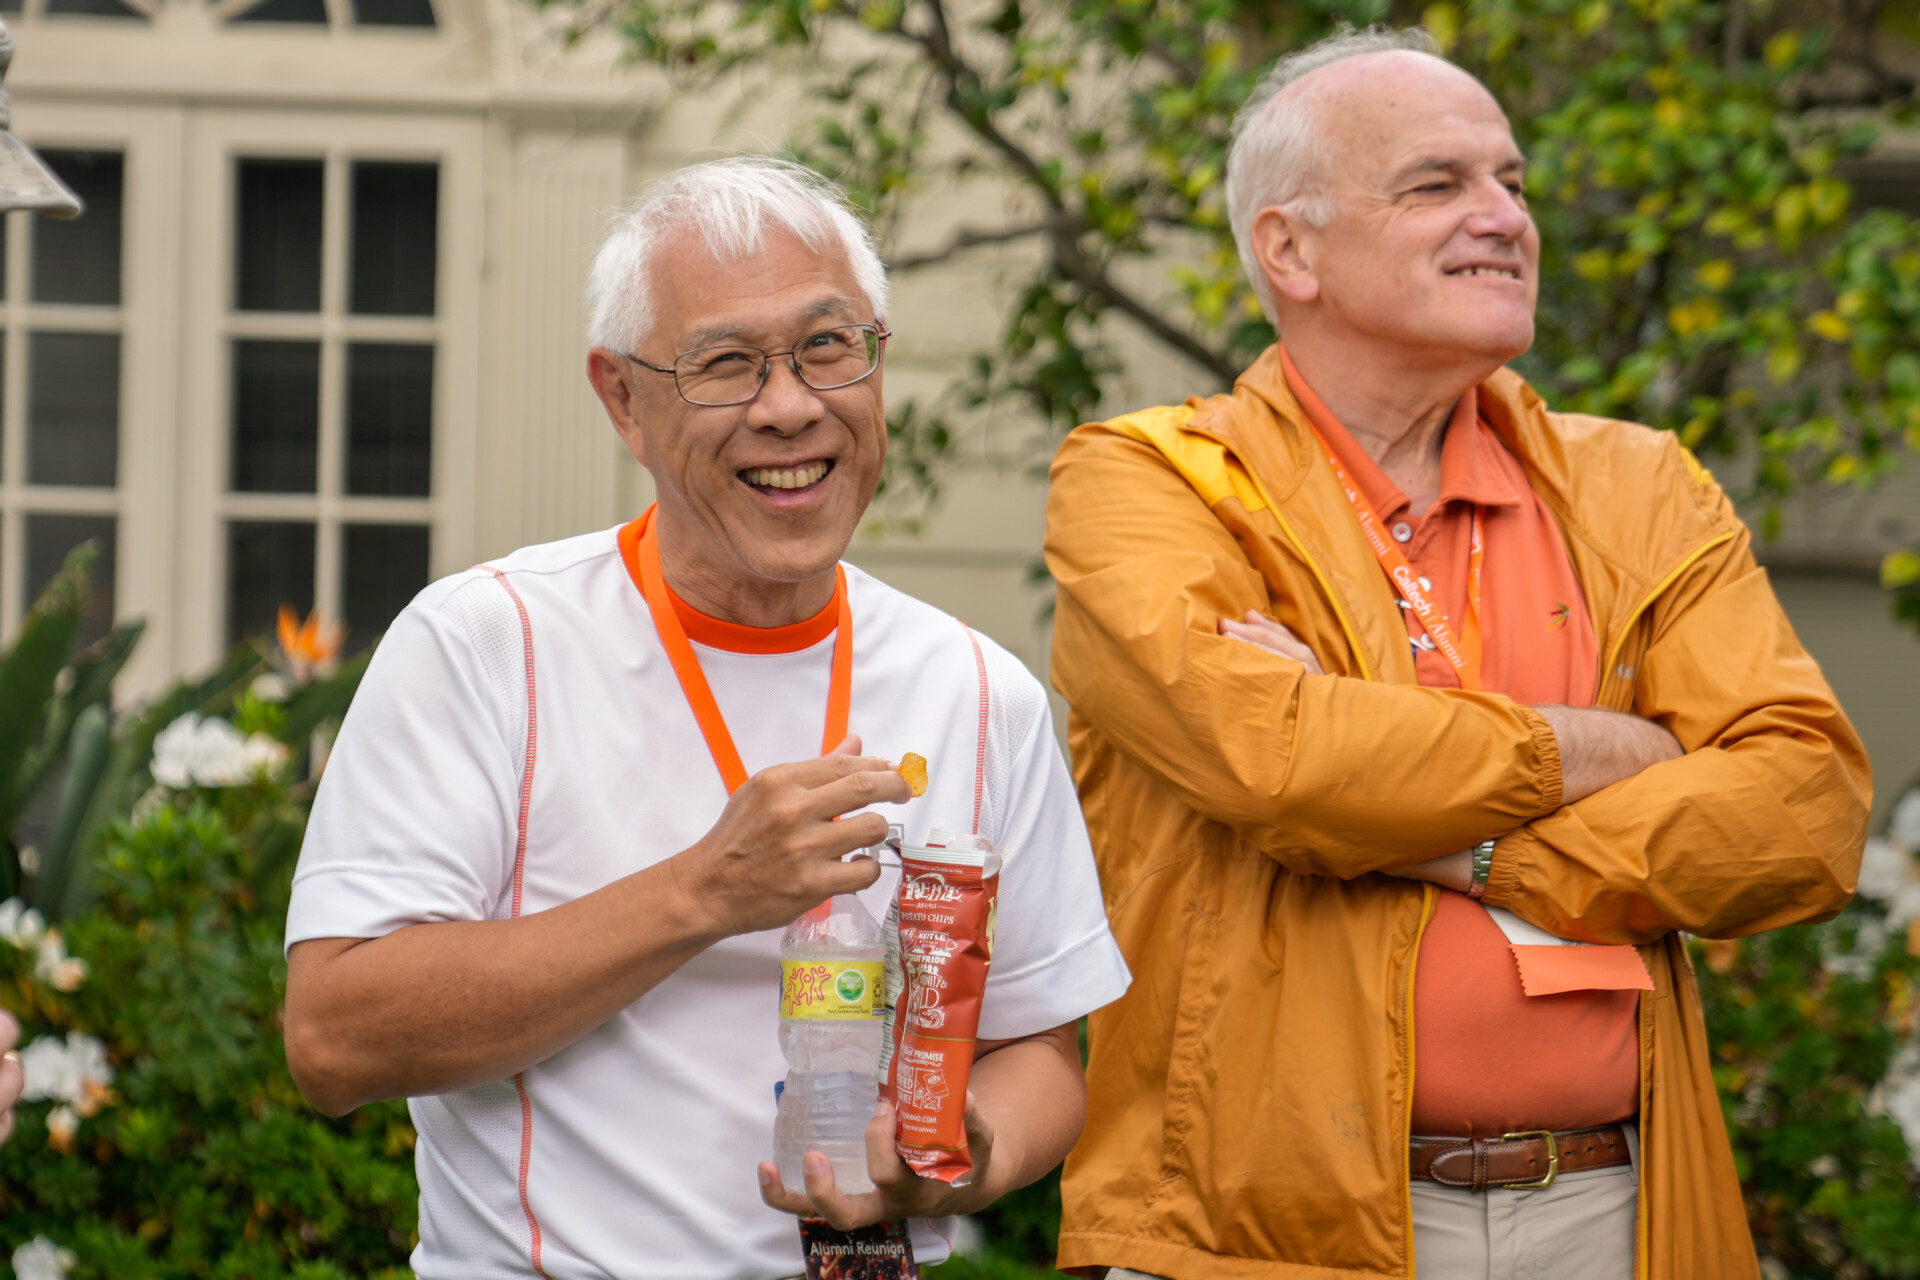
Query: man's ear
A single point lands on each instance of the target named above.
(1278, 250)
(609, 379)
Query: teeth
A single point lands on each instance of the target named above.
(785, 477)
(1503, 272)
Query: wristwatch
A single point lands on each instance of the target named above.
(1482, 868)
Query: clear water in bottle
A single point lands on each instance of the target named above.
(831, 1018)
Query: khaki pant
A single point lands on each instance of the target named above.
(1580, 1228)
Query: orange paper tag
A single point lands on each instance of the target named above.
(1549, 971)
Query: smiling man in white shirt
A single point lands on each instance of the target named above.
(584, 787)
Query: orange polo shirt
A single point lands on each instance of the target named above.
(1488, 1058)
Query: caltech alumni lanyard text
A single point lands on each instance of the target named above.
(1461, 648)
(640, 548)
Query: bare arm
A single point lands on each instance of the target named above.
(1025, 1108)
(439, 1007)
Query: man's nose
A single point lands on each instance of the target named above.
(785, 403)
(1498, 212)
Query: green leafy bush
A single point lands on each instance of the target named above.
(198, 1158)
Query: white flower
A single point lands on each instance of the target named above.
(1904, 906)
(74, 1071)
(52, 964)
(152, 802)
(211, 753)
(21, 925)
(271, 687)
(1898, 1097)
(1905, 826)
(62, 1127)
(1885, 869)
(41, 1259)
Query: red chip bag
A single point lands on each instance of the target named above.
(939, 944)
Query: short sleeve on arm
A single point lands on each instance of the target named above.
(1054, 958)
(414, 821)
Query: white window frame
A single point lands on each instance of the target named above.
(223, 139)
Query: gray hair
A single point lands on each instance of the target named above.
(1276, 158)
(732, 203)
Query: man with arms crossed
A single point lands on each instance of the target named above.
(1376, 607)
(527, 901)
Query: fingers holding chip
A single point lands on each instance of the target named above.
(913, 768)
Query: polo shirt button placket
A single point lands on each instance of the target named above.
(1402, 531)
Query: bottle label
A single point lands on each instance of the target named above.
(830, 989)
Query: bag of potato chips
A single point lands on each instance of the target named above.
(939, 946)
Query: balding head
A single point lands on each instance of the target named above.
(1281, 154)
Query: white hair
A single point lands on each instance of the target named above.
(1276, 157)
(732, 203)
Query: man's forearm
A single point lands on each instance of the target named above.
(435, 1008)
(1034, 1094)
(1599, 748)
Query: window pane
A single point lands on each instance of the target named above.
(309, 11)
(78, 259)
(276, 416)
(269, 563)
(49, 538)
(393, 13)
(386, 565)
(9, 6)
(73, 408)
(277, 265)
(95, 8)
(396, 209)
(389, 419)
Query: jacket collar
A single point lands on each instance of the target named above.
(1263, 423)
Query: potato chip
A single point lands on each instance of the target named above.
(914, 769)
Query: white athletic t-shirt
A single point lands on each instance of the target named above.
(639, 1141)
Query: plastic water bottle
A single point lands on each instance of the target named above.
(831, 1017)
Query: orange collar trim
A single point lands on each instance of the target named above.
(733, 637)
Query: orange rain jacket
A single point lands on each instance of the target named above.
(1249, 1096)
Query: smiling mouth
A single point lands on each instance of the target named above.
(1504, 273)
(769, 479)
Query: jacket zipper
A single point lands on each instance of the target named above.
(1641, 1262)
(1626, 628)
(1313, 566)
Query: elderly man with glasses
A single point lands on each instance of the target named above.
(585, 787)
(1414, 723)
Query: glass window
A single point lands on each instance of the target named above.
(49, 539)
(307, 11)
(389, 419)
(95, 8)
(9, 6)
(269, 564)
(393, 13)
(73, 408)
(277, 266)
(396, 209)
(385, 567)
(276, 416)
(77, 260)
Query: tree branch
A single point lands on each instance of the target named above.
(1073, 264)
(968, 238)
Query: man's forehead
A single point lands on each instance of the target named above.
(726, 326)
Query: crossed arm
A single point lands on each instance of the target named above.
(1597, 748)
(1607, 831)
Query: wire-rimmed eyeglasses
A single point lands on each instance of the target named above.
(733, 374)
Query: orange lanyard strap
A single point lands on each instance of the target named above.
(640, 547)
(1461, 648)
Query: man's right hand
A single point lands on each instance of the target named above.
(776, 850)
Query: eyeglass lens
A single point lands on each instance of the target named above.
(731, 375)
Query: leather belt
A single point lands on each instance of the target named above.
(1531, 1159)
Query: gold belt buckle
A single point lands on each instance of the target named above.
(1553, 1158)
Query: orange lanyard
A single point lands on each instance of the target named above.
(640, 547)
(1463, 648)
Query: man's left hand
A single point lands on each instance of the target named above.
(898, 1192)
